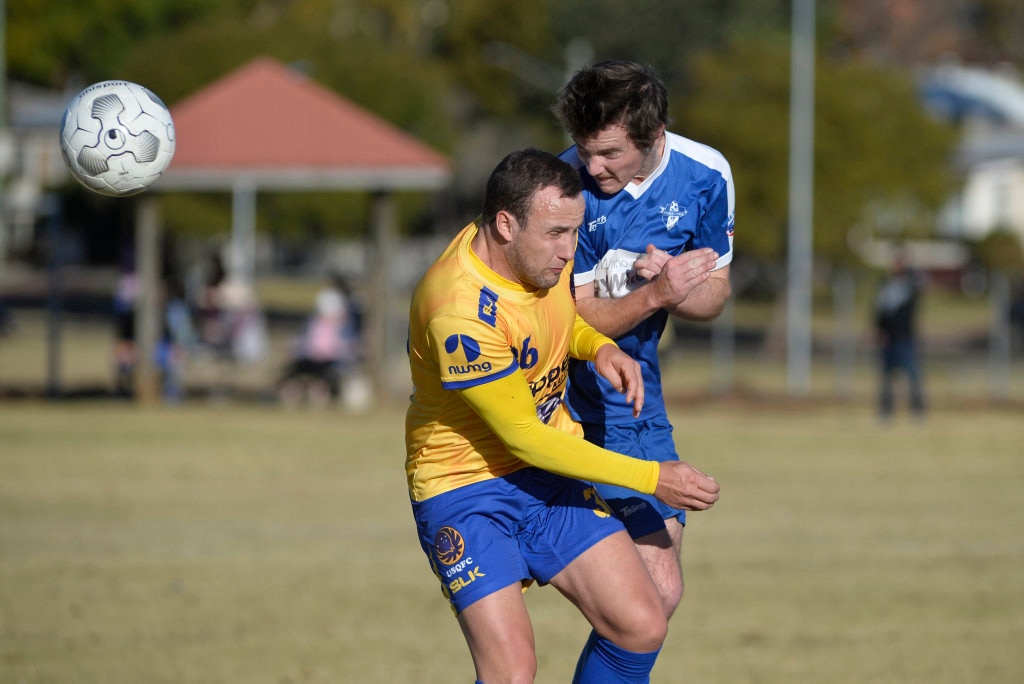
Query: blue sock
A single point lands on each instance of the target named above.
(602, 662)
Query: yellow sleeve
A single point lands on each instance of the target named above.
(507, 407)
(586, 340)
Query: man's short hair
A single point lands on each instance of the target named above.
(614, 92)
(518, 177)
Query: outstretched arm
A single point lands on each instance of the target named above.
(678, 284)
(506, 405)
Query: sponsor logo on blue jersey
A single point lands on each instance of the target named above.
(487, 309)
(599, 221)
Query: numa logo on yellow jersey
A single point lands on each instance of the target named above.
(471, 350)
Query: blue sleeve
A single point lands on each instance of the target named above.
(716, 225)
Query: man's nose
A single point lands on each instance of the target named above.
(567, 249)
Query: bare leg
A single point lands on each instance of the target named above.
(499, 634)
(611, 587)
(660, 553)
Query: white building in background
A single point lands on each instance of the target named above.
(993, 192)
(990, 107)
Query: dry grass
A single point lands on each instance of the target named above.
(250, 544)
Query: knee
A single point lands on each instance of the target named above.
(652, 634)
(520, 672)
(509, 666)
(644, 631)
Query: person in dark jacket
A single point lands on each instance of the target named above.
(896, 329)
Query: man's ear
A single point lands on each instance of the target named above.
(504, 223)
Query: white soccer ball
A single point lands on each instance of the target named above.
(117, 138)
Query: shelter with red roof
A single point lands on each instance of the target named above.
(278, 130)
(268, 127)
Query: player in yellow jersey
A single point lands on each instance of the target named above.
(493, 455)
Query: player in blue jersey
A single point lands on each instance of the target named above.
(656, 241)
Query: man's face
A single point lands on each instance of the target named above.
(540, 249)
(613, 160)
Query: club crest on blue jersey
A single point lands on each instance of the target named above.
(449, 545)
(470, 347)
(671, 214)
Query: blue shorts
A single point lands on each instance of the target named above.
(651, 440)
(527, 525)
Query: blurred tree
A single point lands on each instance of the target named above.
(433, 68)
(997, 31)
(914, 32)
(666, 33)
(873, 143)
(1000, 251)
(466, 44)
(51, 43)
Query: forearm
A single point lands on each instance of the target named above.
(615, 317)
(507, 407)
(586, 340)
(565, 454)
(705, 301)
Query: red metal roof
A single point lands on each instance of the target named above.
(274, 126)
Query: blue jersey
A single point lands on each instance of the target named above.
(686, 203)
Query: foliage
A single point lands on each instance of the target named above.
(873, 143)
(51, 41)
(1000, 251)
(672, 32)
(998, 30)
(467, 45)
(475, 79)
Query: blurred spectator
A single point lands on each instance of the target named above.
(212, 330)
(327, 350)
(6, 324)
(178, 340)
(1017, 315)
(896, 328)
(354, 314)
(242, 321)
(126, 291)
(230, 321)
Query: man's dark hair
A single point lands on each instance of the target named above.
(519, 176)
(614, 92)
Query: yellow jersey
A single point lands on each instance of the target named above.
(489, 361)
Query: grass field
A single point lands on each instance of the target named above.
(211, 543)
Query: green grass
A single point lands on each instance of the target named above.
(249, 544)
